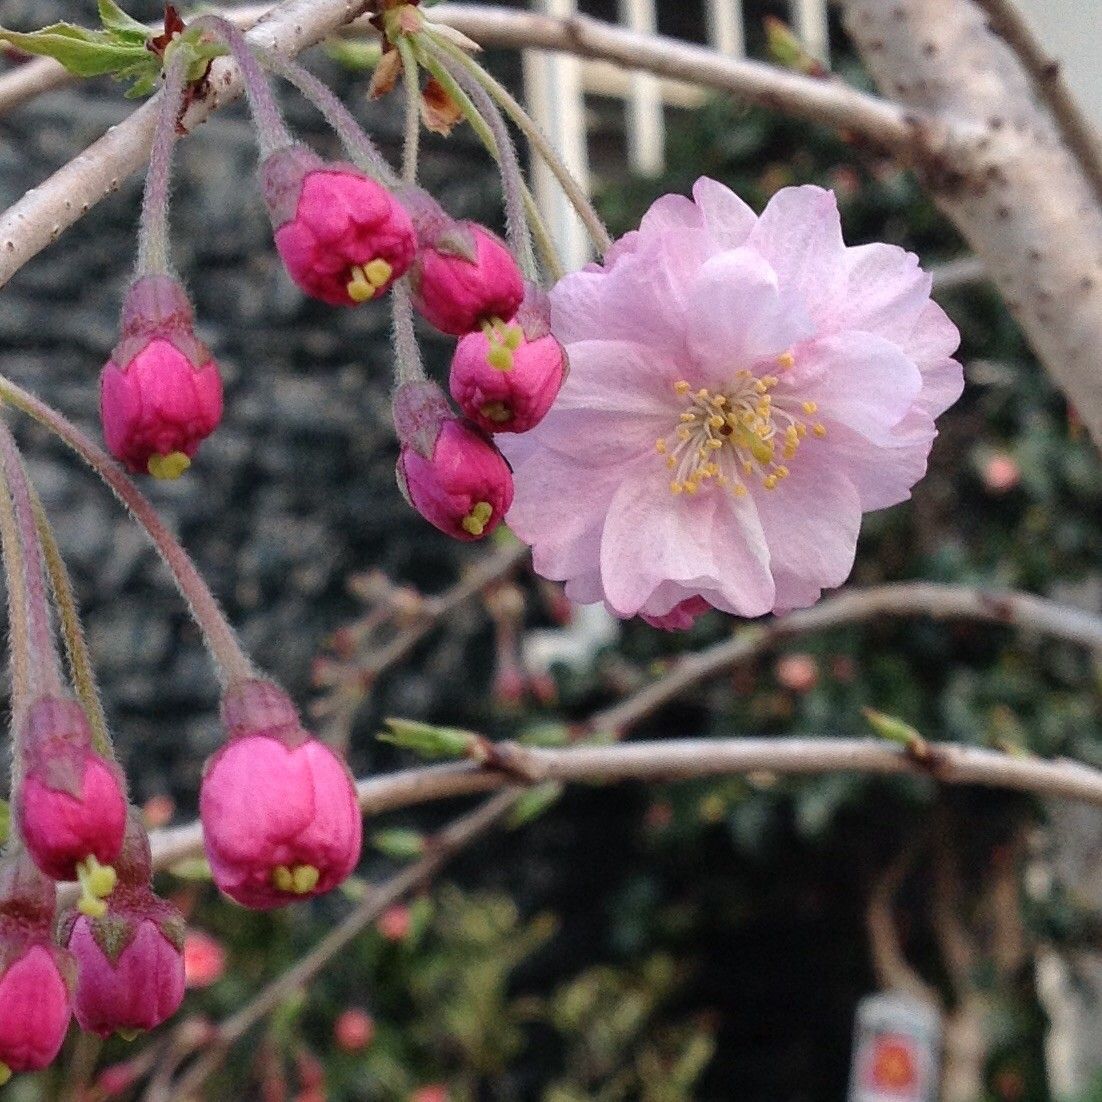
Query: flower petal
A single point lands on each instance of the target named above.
(704, 542)
(739, 317)
(859, 380)
(886, 294)
(728, 219)
(811, 521)
(800, 234)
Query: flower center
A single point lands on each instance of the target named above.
(735, 437)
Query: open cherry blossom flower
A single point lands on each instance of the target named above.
(742, 389)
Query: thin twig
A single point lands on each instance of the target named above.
(1081, 138)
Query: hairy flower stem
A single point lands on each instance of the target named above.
(485, 135)
(18, 644)
(537, 140)
(153, 228)
(76, 648)
(231, 661)
(410, 77)
(271, 129)
(512, 178)
(43, 667)
(363, 152)
(409, 368)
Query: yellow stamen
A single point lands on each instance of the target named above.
(770, 482)
(168, 467)
(97, 882)
(786, 361)
(819, 429)
(740, 490)
(660, 447)
(500, 358)
(681, 387)
(810, 407)
(676, 487)
(498, 412)
(378, 272)
(359, 287)
(474, 523)
(299, 880)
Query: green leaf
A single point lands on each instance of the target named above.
(83, 52)
(533, 803)
(428, 740)
(399, 844)
(545, 734)
(124, 26)
(5, 821)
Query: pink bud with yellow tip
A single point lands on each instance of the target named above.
(448, 469)
(281, 820)
(463, 274)
(70, 805)
(343, 237)
(506, 377)
(160, 393)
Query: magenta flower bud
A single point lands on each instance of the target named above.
(36, 976)
(70, 806)
(281, 820)
(449, 470)
(681, 617)
(506, 377)
(462, 276)
(160, 393)
(343, 237)
(130, 964)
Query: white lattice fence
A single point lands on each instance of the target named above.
(556, 87)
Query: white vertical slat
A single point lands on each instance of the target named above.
(725, 30)
(553, 88)
(646, 123)
(809, 21)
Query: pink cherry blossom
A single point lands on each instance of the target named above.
(742, 389)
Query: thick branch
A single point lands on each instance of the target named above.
(1044, 70)
(820, 101)
(1004, 175)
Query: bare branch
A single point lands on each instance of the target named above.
(826, 102)
(940, 602)
(893, 971)
(683, 759)
(1082, 139)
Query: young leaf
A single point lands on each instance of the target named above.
(532, 803)
(428, 740)
(399, 844)
(124, 26)
(83, 52)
